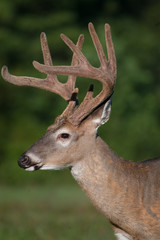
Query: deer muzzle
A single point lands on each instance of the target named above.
(25, 162)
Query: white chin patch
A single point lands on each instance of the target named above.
(45, 167)
(54, 167)
(51, 167)
(30, 169)
(121, 236)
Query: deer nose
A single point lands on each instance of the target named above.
(24, 161)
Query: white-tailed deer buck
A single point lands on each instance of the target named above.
(127, 193)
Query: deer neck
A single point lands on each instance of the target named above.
(100, 176)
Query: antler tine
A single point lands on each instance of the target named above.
(47, 57)
(45, 50)
(50, 83)
(72, 79)
(98, 46)
(110, 50)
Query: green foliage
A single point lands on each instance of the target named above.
(42, 212)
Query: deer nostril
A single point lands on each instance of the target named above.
(24, 161)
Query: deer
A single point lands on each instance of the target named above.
(127, 193)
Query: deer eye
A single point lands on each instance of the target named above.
(64, 135)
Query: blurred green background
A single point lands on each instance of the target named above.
(50, 205)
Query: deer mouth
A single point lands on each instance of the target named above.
(33, 168)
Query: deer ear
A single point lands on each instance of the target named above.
(101, 115)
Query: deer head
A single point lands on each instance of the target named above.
(75, 130)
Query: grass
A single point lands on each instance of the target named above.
(47, 212)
